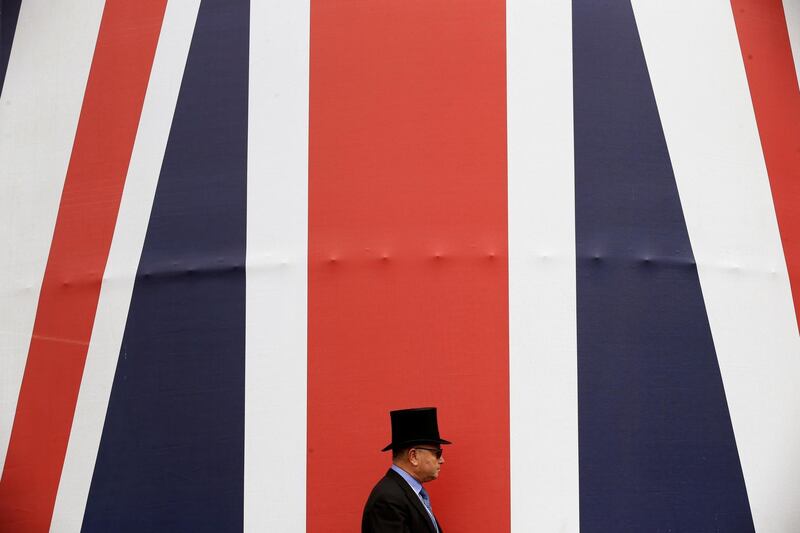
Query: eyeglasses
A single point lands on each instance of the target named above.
(436, 451)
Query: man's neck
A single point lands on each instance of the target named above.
(405, 469)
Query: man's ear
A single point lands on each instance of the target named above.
(412, 456)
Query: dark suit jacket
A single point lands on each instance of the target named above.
(393, 507)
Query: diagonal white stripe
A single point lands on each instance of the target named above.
(123, 261)
(699, 81)
(791, 10)
(541, 232)
(39, 110)
(277, 244)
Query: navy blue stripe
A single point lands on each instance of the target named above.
(657, 450)
(172, 451)
(9, 13)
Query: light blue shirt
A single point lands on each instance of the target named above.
(416, 486)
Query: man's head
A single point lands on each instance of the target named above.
(422, 461)
(416, 444)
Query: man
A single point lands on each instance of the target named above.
(398, 503)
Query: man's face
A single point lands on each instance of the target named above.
(427, 464)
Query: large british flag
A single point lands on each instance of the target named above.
(235, 233)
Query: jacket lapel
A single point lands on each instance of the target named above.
(413, 499)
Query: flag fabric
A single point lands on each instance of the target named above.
(237, 234)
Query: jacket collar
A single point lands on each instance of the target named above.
(412, 497)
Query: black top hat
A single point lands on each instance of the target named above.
(414, 426)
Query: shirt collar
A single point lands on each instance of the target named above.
(413, 483)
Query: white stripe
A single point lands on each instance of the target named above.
(39, 110)
(542, 308)
(123, 261)
(701, 89)
(791, 10)
(277, 242)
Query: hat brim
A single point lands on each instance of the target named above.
(410, 443)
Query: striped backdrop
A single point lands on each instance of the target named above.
(236, 233)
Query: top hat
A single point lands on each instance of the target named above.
(414, 426)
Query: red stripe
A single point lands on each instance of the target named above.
(70, 289)
(408, 272)
(767, 53)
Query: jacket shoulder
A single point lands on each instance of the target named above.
(387, 508)
(389, 486)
